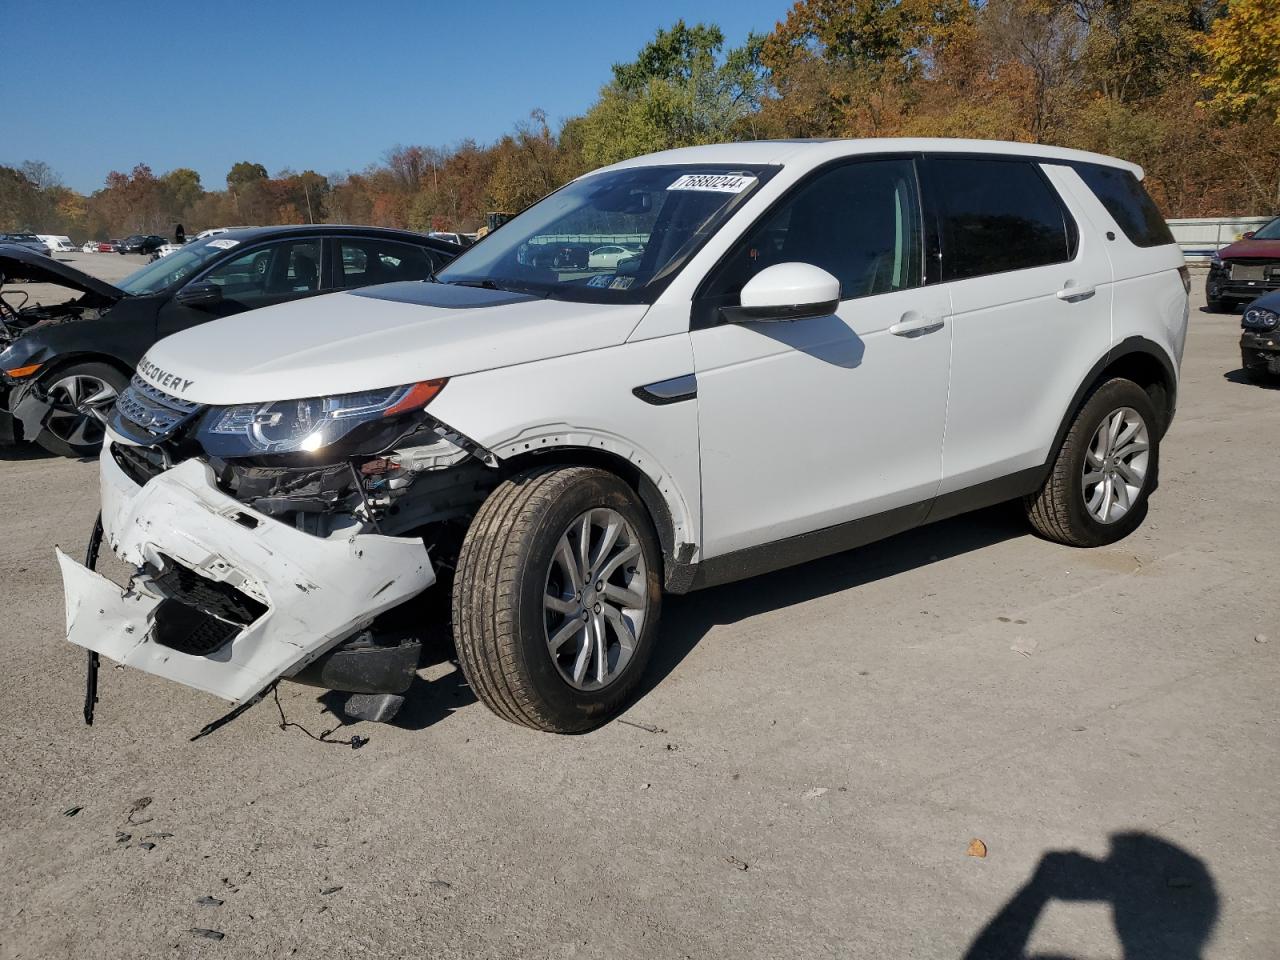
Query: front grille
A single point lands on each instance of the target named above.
(139, 464)
(199, 616)
(148, 414)
(1255, 271)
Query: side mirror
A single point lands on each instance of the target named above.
(1248, 234)
(786, 291)
(200, 295)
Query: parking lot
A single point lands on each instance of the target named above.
(814, 752)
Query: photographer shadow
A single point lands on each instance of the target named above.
(1163, 901)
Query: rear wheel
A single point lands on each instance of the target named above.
(79, 395)
(556, 598)
(1096, 492)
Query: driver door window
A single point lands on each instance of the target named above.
(271, 274)
(860, 222)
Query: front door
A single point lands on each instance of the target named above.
(263, 275)
(809, 424)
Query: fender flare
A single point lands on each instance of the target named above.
(661, 496)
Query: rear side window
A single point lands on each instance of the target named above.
(366, 261)
(998, 215)
(1128, 203)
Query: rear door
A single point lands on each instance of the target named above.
(364, 261)
(1031, 289)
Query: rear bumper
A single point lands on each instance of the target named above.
(227, 599)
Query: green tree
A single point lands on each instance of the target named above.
(682, 89)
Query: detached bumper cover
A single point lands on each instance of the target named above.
(316, 592)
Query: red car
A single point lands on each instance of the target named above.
(1246, 269)
(107, 246)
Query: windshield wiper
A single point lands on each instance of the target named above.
(485, 284)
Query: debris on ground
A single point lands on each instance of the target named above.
(647, 727)
(122, 837)
(1025, 646)
(137, 807)
(815, 793)
(71, 811)
(147, 845)
(442, 884)
(207, 934)
(734, 861)
(644, 786)
(1259, 638)
(976, 848)
(210, 902)
(328, 890)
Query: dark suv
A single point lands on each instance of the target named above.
(63, 365)
(1246, 269)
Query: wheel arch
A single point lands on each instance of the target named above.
(659, 497)
(1144, 362)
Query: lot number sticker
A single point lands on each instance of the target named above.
(713, 182)
(223, 244)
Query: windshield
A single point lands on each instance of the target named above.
(1270, 231)
(174, 268)
(615, 237)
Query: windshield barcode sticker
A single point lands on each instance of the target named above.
(714, 182)
(223, 244)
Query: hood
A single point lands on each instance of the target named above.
(1251, 249)
(376, 337)
(19, 263)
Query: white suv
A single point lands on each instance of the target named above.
(821, 344)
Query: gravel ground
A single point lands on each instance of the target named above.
(803, 777)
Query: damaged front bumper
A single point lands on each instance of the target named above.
(227, 599)
(1261, 351)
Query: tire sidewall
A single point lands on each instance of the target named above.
(1104, 401)
(580, 709)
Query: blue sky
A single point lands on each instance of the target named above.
(97, 86)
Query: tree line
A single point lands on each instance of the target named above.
(1189, 89)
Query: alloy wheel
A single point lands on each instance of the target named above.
(1115, 465)
(596, 599)
(79, 404)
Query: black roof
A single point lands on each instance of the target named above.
(245, 234)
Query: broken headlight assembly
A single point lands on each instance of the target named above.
(350, 423)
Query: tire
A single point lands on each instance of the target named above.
(65, 435)
(1066, 508)
(1262, 376)
(1218, 305)
(510, 571)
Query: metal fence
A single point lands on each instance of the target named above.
(1202, 238)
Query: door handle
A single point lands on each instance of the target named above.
(1072, 292)
(915, 324)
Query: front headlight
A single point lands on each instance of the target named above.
(1257, 318)
(307, 425)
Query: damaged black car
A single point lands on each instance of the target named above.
(63, 365)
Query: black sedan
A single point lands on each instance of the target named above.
(137, 243)
(62, 366)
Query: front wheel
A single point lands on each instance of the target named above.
(80, 396)
(1096, 492)
(556, 598)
